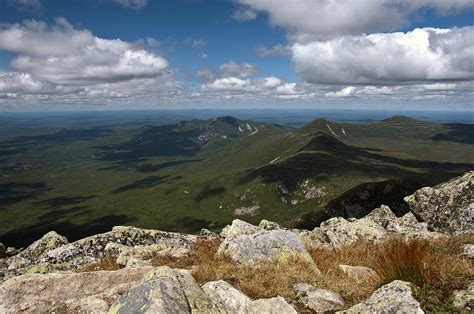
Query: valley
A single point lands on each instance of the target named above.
(84, 178)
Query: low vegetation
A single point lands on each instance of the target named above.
(106, 263)
(435, 267)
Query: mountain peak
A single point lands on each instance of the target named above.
(399, 119)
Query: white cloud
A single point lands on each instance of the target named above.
(202, 55)
(133, 4)
(426, 54)
(309, 19)
(29, 5)
(244, 15)
(64, 55)
(241, 70)
(345, 92)
(275, 51)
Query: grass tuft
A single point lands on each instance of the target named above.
(106, 263)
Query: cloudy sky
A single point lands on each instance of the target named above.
(132, 54)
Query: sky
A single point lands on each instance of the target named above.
(172, 54)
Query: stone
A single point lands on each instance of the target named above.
(165, 290)
(208, 235)
(238, 228)
(264, 245)
(48, 242)
(276, 305)
(360, 273)
(144, 253)
(65, 292)
(395, 297)
(318, 300)
(93, 248)
(447, 207)
(377, 225)
(468, 250)
(464, 299)
(222, 292)
(268, 225)
(230, 300)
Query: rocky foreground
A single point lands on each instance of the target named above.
(50, 276)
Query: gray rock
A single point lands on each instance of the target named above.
(276, 305)
(395, 297)
(67, 292)
(268, 225)
(448, 207)
(464, 299)
(358, 272)
(230, 300)
(208, 235)
(263, 245)
(378, 225)
(238, 228)
(32, 253)
(468, 250)
(165, 290)
(318, 300)
(92, 248)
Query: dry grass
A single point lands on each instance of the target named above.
(106, 263)
(435, 267)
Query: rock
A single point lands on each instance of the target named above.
(208, 235)
(11, 251)
(222, 292)
(238, 228)
(164, 290)
(125, 253)
(318, 300)
(230, 300)
(276, 305)
(358, 272)
(377, 225)
(468, 250)
(270, 245)
(91, 292)
(464, 299)
(395, 297)
(30, 255)
(448, 207)
(92, 248)
(268, 225)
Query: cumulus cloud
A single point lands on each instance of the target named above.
(240, 70)
(310, 19)
(62, 63)
(64, 55)
(427, 54)
(133, 4)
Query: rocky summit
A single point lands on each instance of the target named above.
(53, 275)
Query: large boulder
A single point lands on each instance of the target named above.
(231, 300)
(32, 253)
(318, 300)
(67, 292)
(448, 207)
(253, 244)
(377, 225)
(94, 247)
(395, 297)
(167, 290)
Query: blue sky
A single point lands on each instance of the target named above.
(232, 54)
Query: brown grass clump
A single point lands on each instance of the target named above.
(106, 263)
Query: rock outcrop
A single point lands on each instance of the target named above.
(318, 300)
(246, 244)
(395, 297)
(358, 272)
(67, 292)
(377, 225)
(464, 299)
(167, 290)
(448, 207)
